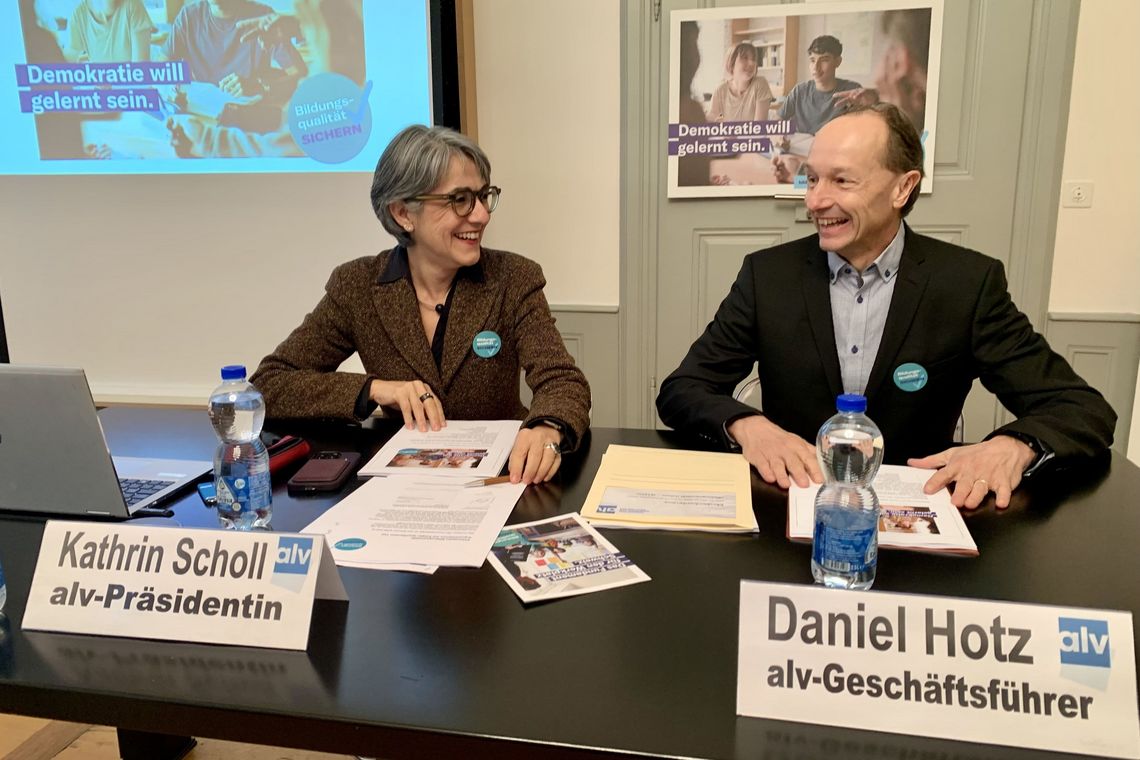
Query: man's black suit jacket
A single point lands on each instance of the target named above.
(950, 312)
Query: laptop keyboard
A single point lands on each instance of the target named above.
(136, 489)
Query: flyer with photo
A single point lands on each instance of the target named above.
(466, 449)
(557, 557)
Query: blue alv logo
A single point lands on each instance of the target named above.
(1084, 642)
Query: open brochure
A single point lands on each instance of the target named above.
(908, 518)
(559, 556)
(671, 489)
(466, 449)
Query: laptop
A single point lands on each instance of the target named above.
(54, 459)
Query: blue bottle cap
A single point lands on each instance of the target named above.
(851, 402)
(233, 372)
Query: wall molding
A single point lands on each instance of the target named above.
(591, 335)
(584, 308)
(1077, 316)
(968, 71)
(593, 338)
(640, 196)
(1053, 46)
(716, 255)
(1104, 349)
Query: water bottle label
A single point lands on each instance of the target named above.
(233, 492)
(844, 550)
(260, 491)
(242, 492)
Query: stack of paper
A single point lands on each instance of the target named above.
(466, 449)
(418, 515)
(417, 524)
(908, 518)
(671, 489)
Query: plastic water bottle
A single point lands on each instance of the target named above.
(241, 463)
(845, 544)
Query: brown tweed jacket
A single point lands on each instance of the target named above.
(380, 320)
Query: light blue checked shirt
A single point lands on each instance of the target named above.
(859, 305)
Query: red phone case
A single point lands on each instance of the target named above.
(283, 456)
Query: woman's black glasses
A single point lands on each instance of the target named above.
(463, 201)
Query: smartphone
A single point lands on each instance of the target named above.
(325, 472)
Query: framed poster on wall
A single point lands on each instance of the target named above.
(750, 86)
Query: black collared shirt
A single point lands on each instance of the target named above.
(398, 268)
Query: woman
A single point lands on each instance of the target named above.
(442, 325)
(109, 31)
(745, 95)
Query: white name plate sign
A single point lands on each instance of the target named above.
(1048, 678)
(207, 586)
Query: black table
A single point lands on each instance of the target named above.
(453, 665)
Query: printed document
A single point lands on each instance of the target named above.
(908, 518)
(671, 489)
(559, 556)
(466, 449)
(417, 521)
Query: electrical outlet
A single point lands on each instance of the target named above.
(1077, 194)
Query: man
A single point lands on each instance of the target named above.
(214, 37)
(868, 306)
(813, 103)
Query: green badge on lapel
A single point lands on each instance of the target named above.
(911, 377)
(487, 344)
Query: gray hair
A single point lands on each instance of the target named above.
(414, 163)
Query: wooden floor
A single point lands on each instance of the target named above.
(35, 739)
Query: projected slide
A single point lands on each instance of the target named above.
(202, 86)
